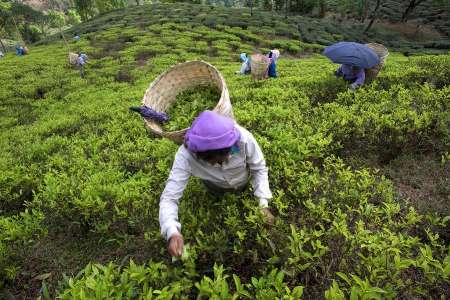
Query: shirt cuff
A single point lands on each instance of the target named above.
(263, 202)
(172, 230)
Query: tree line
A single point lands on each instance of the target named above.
(21, 22)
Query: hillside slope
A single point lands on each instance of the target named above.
(262, 27)
(360, 179)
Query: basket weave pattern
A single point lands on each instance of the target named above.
(163, 91)
(259, 65)
(382, 53)
(73, 58)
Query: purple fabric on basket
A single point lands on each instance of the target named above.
(211, 131)
(150, 113)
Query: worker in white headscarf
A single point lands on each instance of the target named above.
(245, 67)
(273, 55)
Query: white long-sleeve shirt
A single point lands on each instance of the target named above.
(231, 174)
(245, 67)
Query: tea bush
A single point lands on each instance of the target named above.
(156, 281)
(262, 23)
(16, 232)
(75, 160)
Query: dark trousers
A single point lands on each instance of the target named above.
(218, 191)
(81, 68)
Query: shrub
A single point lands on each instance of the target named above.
(17, 233)
(76, 161)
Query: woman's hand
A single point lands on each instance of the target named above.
(176, 244)
(268, 215)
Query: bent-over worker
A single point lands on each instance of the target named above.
(353, 74)
(225, 156)
(20, 51)
(245, 67)
(81, 61)
(273, 55)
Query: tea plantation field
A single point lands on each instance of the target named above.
(360, 179)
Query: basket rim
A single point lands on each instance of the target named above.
(157, 128)
(257, 56)
(379, 47)
(176, 66)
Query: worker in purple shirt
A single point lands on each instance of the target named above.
(353, 74)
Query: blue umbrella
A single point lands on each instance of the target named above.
(354, 54)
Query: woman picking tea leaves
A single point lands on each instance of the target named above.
(225, 156)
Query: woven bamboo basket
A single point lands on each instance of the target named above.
(259, 65)
(73, 58)
(382, 53)
(164, 89)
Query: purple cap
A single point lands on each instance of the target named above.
(211, 131)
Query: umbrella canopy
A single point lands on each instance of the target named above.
(354, 54)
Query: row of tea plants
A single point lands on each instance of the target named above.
(76, 161)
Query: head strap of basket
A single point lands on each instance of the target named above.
(382, 53)
(163, 91)
(259, 65)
